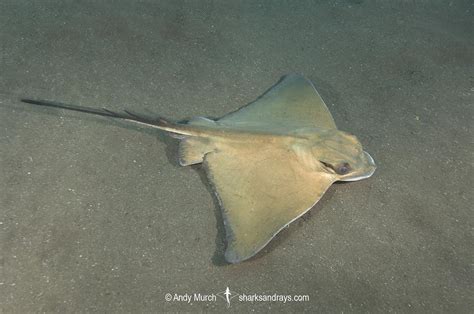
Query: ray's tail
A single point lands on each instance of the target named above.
(156, 122)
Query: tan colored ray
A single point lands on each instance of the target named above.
(269, 162)
(261, 190)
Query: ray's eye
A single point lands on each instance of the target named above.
(343, 168)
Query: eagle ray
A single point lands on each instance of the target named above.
(268, 162)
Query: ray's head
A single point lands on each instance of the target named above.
(341, 154)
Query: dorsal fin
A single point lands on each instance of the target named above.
(202, 121)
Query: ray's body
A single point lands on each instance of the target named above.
(269, 162)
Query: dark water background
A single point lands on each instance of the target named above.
(97, 215)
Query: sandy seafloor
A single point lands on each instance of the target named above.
(97, 215)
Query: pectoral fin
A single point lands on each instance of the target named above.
(292, 103)
(261, 190)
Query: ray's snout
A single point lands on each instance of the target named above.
(366, 170)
